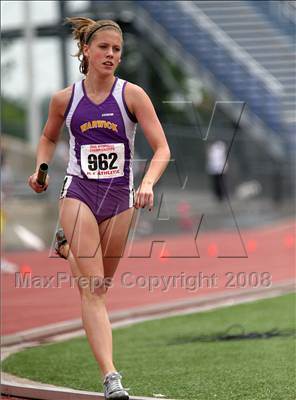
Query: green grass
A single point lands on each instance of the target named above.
(182, 357)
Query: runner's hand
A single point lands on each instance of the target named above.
(144, 196)
(32, 182)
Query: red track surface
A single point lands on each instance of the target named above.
(11, 398)
(270, 249)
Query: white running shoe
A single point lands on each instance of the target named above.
(113, 388)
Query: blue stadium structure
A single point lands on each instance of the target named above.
(244, 52)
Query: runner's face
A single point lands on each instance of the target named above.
(104, 51)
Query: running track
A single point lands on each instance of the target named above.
(270, 249)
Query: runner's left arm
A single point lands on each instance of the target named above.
(143, 109)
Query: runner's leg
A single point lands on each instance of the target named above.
(82, 233)
(114, 234)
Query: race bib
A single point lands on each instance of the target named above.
(102, 161)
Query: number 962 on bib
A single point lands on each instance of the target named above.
(103, 161)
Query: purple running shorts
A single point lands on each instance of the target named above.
(105, 200)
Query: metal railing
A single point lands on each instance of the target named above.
(281, 13)
(236, 69)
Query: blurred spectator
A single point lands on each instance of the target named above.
(217, 167)
(6, 183)
(277, 183)
(6, 176)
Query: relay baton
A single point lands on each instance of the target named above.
(42, 173)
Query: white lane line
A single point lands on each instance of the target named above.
(29, 238)
(8, 267)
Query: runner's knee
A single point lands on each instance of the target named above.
(100, 290)
(93, 287)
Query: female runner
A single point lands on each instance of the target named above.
(97, 200)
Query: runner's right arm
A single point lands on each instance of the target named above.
(50, 135)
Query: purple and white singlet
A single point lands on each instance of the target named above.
(101, 151)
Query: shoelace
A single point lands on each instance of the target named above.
(114, 383)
